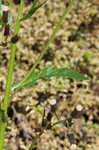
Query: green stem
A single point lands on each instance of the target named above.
(35, 140)
(41, 56)
(49, 42)
(9, 79)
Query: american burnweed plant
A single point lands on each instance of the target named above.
(31, 77)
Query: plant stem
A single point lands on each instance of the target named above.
(9, 79)
(52, 36)
(41, 56)
(49, 42)
(35, 140)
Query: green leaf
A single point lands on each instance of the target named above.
(0, 7)
(65, 72)
(33, 10)
(47, 73)
(10, 19)
(30, 81)
(50, 72)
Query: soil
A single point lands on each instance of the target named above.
(76, 46)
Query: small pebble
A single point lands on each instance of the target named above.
(79, 107)
(73, 147)
(52, 102)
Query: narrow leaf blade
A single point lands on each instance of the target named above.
(30, 81)
(66, 72)
(47, 73)
(10, 19)
(35, 140)
(32, 11)
(0, 7)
